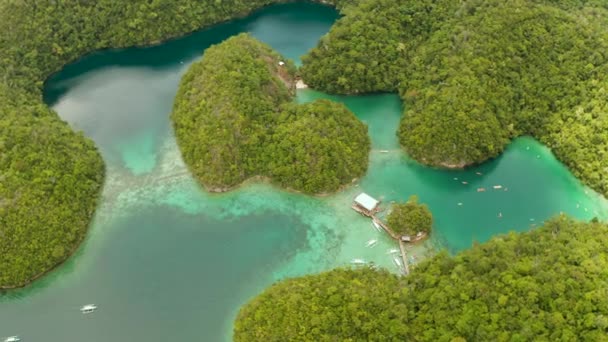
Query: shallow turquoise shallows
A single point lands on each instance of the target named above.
(165, 261)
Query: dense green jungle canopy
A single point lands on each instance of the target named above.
(546, 285)
(233, 121)
(477, 73)
(50, 176)
(410, 218)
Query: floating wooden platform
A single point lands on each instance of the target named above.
(372, 213)
(406, 267)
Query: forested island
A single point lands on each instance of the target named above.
(475, 74)
(410, 218)
(545, 285)
(233, 120)
(51, 176)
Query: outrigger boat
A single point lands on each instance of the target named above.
(357, 261)
(397, 261)
(88, 308)
(371, 243)
(376, 225)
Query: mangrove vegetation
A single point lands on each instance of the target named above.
(233, 120)
(545, 285)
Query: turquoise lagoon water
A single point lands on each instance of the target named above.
(166, 260)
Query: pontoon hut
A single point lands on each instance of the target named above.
(365, 204)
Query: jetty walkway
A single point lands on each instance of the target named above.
(392, 234)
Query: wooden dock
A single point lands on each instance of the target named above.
(385, 227)
(392, 234)
(406, 267)
(362, 208)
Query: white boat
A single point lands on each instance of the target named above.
(376, 225)
(392, 251)
(497, 186)
(383, 151)
(397, 261)
(371, 243)
(88, 308)
(12, 339)
(357, 261)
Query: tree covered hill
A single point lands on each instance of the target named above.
(50, 176)
(476, 74)
(549, 284)
(233, 121)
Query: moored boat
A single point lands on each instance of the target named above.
(12, 339)
(88, 308)
(376, 225)
(397, 261)
(357, 261)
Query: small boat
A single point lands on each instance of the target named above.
(459, 203)
(12, 339)
(392, 251)
(481, 189)
(383, 151)
(455, 178)
(497, 186)
(88, 308)
(465, 183)
(376, 225)
(478, 173)
(357, 261)
(371, 243)
(397, 261)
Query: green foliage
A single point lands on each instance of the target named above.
(223, 107)
(546, 285)
(410, 218)
(319, 146)
(476, 74)
(50, 176)
(233, 121)
(49, 181)
(368, 48)
(341, 305)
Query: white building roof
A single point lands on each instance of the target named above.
(366, 201)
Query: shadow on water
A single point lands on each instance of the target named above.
(267, 24)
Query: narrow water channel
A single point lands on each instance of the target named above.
(166, 261)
